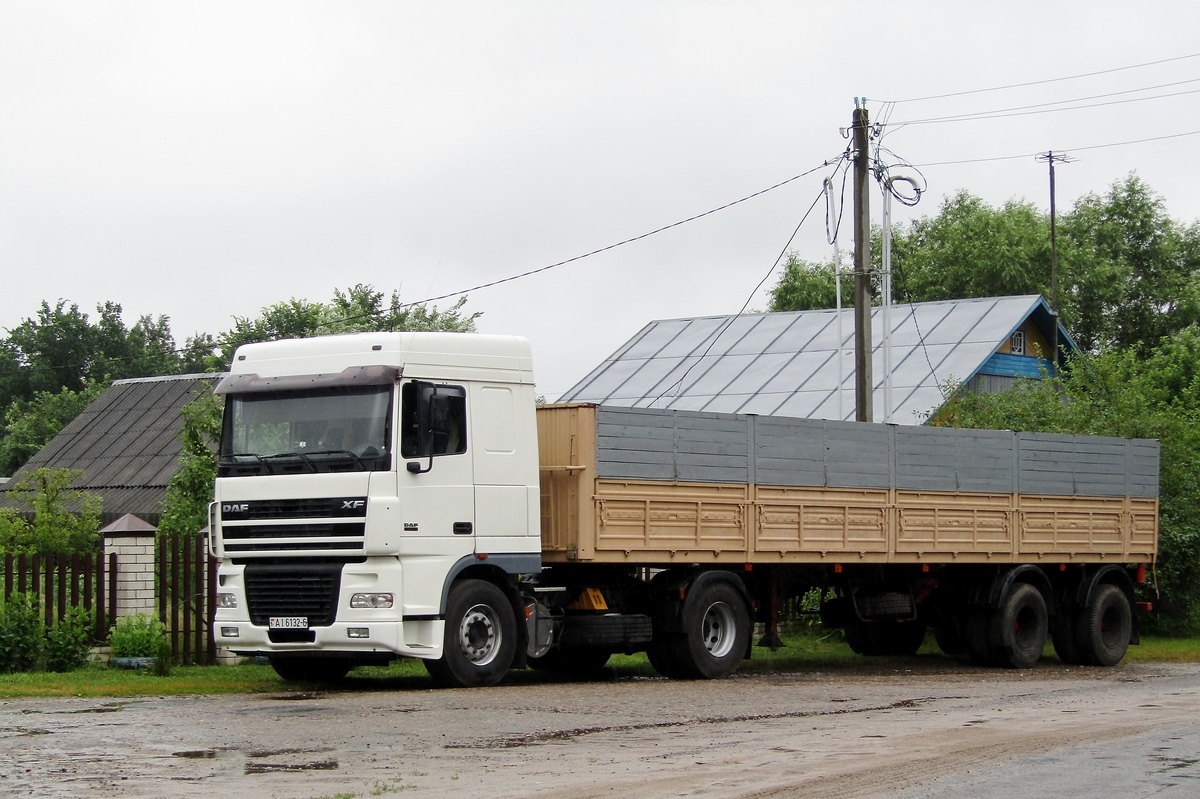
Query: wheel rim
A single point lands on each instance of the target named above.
(720, 629)
(479, 635)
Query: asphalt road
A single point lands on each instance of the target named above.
(923, 730)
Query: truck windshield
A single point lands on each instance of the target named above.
(329, 429)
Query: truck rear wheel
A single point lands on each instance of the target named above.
(1104, 628)
(480, 639)
(1017, 631)
(716, 632)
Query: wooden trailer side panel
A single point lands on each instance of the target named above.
(643, 486)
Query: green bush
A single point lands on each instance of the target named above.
(22, 634)
(69, 642)
(137, 636)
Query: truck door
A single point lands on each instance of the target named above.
(436, 478)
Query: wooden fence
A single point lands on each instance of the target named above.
(184, 581)
(187, 598)
(66, 581)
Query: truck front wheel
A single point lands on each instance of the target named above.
(480, 639)
(716, 632)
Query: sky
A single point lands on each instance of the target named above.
(205, 160)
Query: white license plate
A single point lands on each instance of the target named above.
(288, 622)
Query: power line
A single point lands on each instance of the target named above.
(1047, 80)
(623, 242)
(1033, 155)
(678, 384)
(402, 306)
(1004, 113)
(986, 114)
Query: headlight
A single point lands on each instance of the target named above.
(226, 600)
(371, 601)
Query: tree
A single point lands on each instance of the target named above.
(185, 509)
(806, 286)
(360, 308)
(65, 520)
(1131, 273)
(1122, 393)
(29, 424)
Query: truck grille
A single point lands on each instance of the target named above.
(294, 526)
(305, 589)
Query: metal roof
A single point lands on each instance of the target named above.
(126, 443)
(792, 363)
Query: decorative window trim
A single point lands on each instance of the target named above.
(1016, 345)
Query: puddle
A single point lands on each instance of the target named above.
(315, 765)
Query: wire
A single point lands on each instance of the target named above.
(678, 384)
(395, 308)
(1048, 80)
(621, 243)
(1005, 113)
(1071, 149)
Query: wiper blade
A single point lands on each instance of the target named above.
(291, 454)
(345, 452)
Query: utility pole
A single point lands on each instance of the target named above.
(864, 384)
(1051, 158)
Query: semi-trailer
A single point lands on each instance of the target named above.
(385, 495)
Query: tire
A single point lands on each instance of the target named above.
(303, 668)
(716, 632)
(481, 637)
(576, 662)
(1104, 628)
(1017, 631)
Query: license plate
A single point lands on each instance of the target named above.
(288, 622)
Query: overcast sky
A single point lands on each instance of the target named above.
(204, 160)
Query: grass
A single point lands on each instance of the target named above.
(802, 653)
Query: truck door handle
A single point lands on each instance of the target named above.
(463, 528)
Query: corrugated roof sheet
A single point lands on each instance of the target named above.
(126, 443)
(787, 364)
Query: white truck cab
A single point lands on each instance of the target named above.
(361, 477)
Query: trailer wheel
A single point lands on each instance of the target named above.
(1104, 628)
(302, 668)
(480, 639)
(1017, 631)
(716, 631)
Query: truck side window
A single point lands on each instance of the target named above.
(433, 420)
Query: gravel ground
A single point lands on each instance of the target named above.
(925, 731)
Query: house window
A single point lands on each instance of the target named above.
(1017, 344)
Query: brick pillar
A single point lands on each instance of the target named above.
(135, 570)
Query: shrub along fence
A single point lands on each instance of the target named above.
(171, 577)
